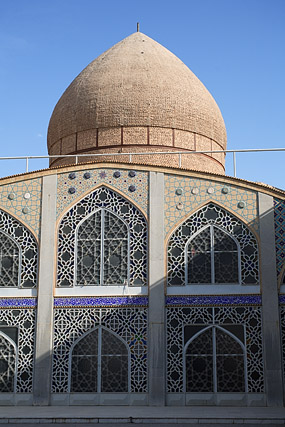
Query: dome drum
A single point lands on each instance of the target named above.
(141, 139)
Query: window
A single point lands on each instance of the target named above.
(215, 361)
(102, 250)
(7, 363)
(99, 363)
(102, 240)
(18, 254)
(212, 246)
(9, 261)
(212, 256)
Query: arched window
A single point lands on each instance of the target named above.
(214, 361)
(102, 240)
(102, 250)
(9, 261)
(212, 246)
(99, 362)
(18, 254)
(7, 364)
(212, 256)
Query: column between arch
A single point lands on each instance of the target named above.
(156, 341)
(47, 263)
(270, 305)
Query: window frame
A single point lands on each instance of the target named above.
(7, 338)
(19, 259)
(99, 364)
(214, 356)
(102, 210)
(212, 252)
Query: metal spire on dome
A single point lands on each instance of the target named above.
(138, 27)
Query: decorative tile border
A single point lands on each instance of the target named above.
(128, 301)
(18, 302)
(213, 300)
(184, 194)
(23, 199)
(72, 185)
(279, 217)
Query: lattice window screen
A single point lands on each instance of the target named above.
(117, 240)
(213, 255)
(100, 363)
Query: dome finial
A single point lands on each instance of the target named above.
(138, 27)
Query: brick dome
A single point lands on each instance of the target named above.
(138, 97)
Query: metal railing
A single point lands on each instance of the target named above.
(151, 153)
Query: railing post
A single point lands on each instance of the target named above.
(27, 164)
(179, 157)
(76, 160)
(130, 158)
(234, 160)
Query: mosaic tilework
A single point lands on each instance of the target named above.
(23, 196)
(279, 216)
(100, 301)
(18, 302)
(213, 300)
(282, 299)
(129, 323)
(102, 176)
(177, 206)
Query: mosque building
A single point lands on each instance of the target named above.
(140, 276)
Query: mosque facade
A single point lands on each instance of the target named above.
(140, 276)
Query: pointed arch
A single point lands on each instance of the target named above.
(123, 215)
(18, 253)
(8, 364)
(216, 218)
(99, 361)
(214, 361)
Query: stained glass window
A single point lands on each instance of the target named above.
(102, 250)
(212, 257)
(214, 362)
(100, 363)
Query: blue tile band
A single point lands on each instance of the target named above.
(100, 301)
(214, 300)
(18, 302)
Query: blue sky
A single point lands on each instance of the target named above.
(235, 47)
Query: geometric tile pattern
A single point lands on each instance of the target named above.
(230, 318)
(28, 251)
(102, 198)
(23, 199)
(279, 220)
(195, 192)
(24, 321)
(178, 261)
(129, 323)
(85, 180)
